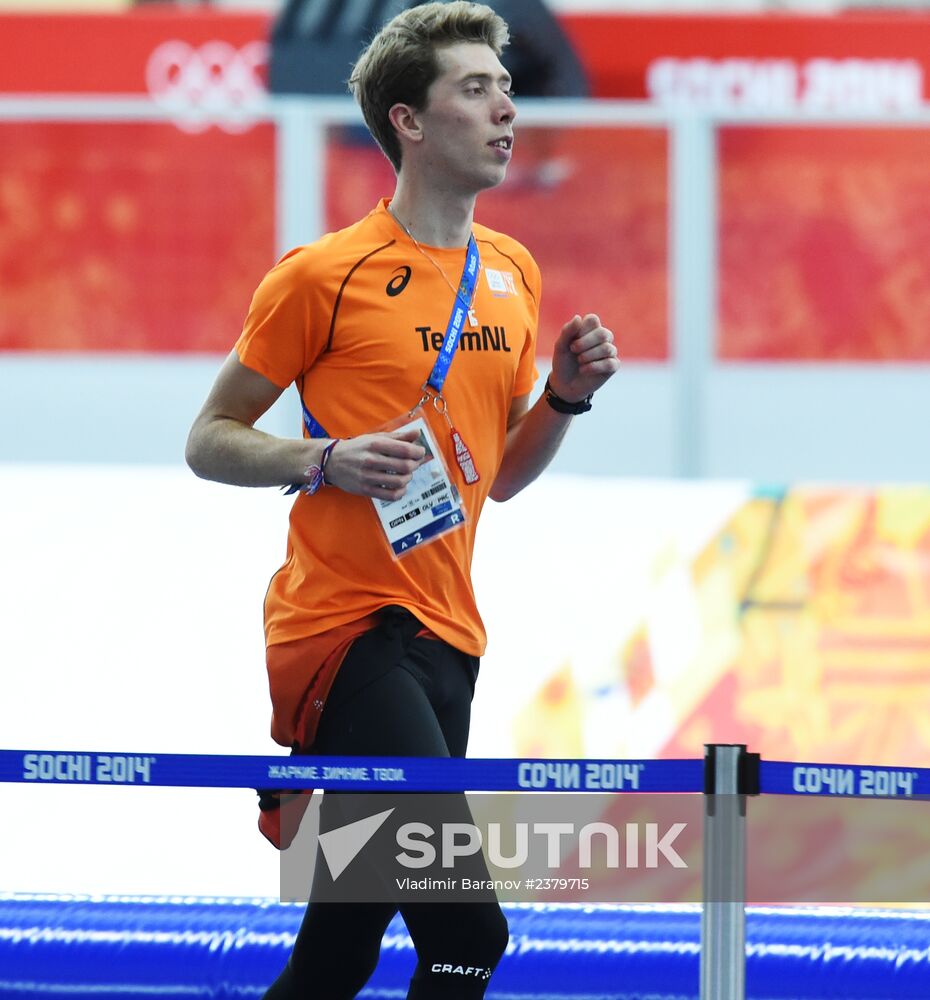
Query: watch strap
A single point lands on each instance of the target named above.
(563, 405)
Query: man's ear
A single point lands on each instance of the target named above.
(406, 123)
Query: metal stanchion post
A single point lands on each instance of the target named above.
(730, 775)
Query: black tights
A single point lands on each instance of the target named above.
(396, 695)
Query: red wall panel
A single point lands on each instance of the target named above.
(824, 237)
(131, 237)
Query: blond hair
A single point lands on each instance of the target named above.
(400, 64)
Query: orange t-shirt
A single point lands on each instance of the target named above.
(356, 320)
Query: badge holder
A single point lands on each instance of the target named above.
(432, 505)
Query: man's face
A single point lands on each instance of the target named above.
(468, 120)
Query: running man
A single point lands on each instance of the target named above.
(373, 634)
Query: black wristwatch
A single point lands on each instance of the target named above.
(563, 405)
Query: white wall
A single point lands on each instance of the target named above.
(131, 622)
(768, 423)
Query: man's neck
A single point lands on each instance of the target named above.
(433, 217)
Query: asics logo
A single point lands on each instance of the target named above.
(211, 84)
(398, 283)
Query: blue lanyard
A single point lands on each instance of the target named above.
(460, 307)
(463, 300)
(314, 428)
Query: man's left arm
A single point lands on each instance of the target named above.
(583, 359)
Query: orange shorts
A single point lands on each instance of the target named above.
(300, 675)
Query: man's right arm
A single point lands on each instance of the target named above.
(223, 444)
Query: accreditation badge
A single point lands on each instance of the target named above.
(430, 507)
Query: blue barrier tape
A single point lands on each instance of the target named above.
(427, 774)
(413, 774)
(856, 781)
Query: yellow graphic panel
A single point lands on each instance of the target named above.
(801, 627)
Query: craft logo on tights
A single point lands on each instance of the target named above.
(460, 970)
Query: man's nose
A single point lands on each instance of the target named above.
(506, 109)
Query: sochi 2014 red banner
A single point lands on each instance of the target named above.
(822, 63)
(815, 62)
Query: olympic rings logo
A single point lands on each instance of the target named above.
(215, 84)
